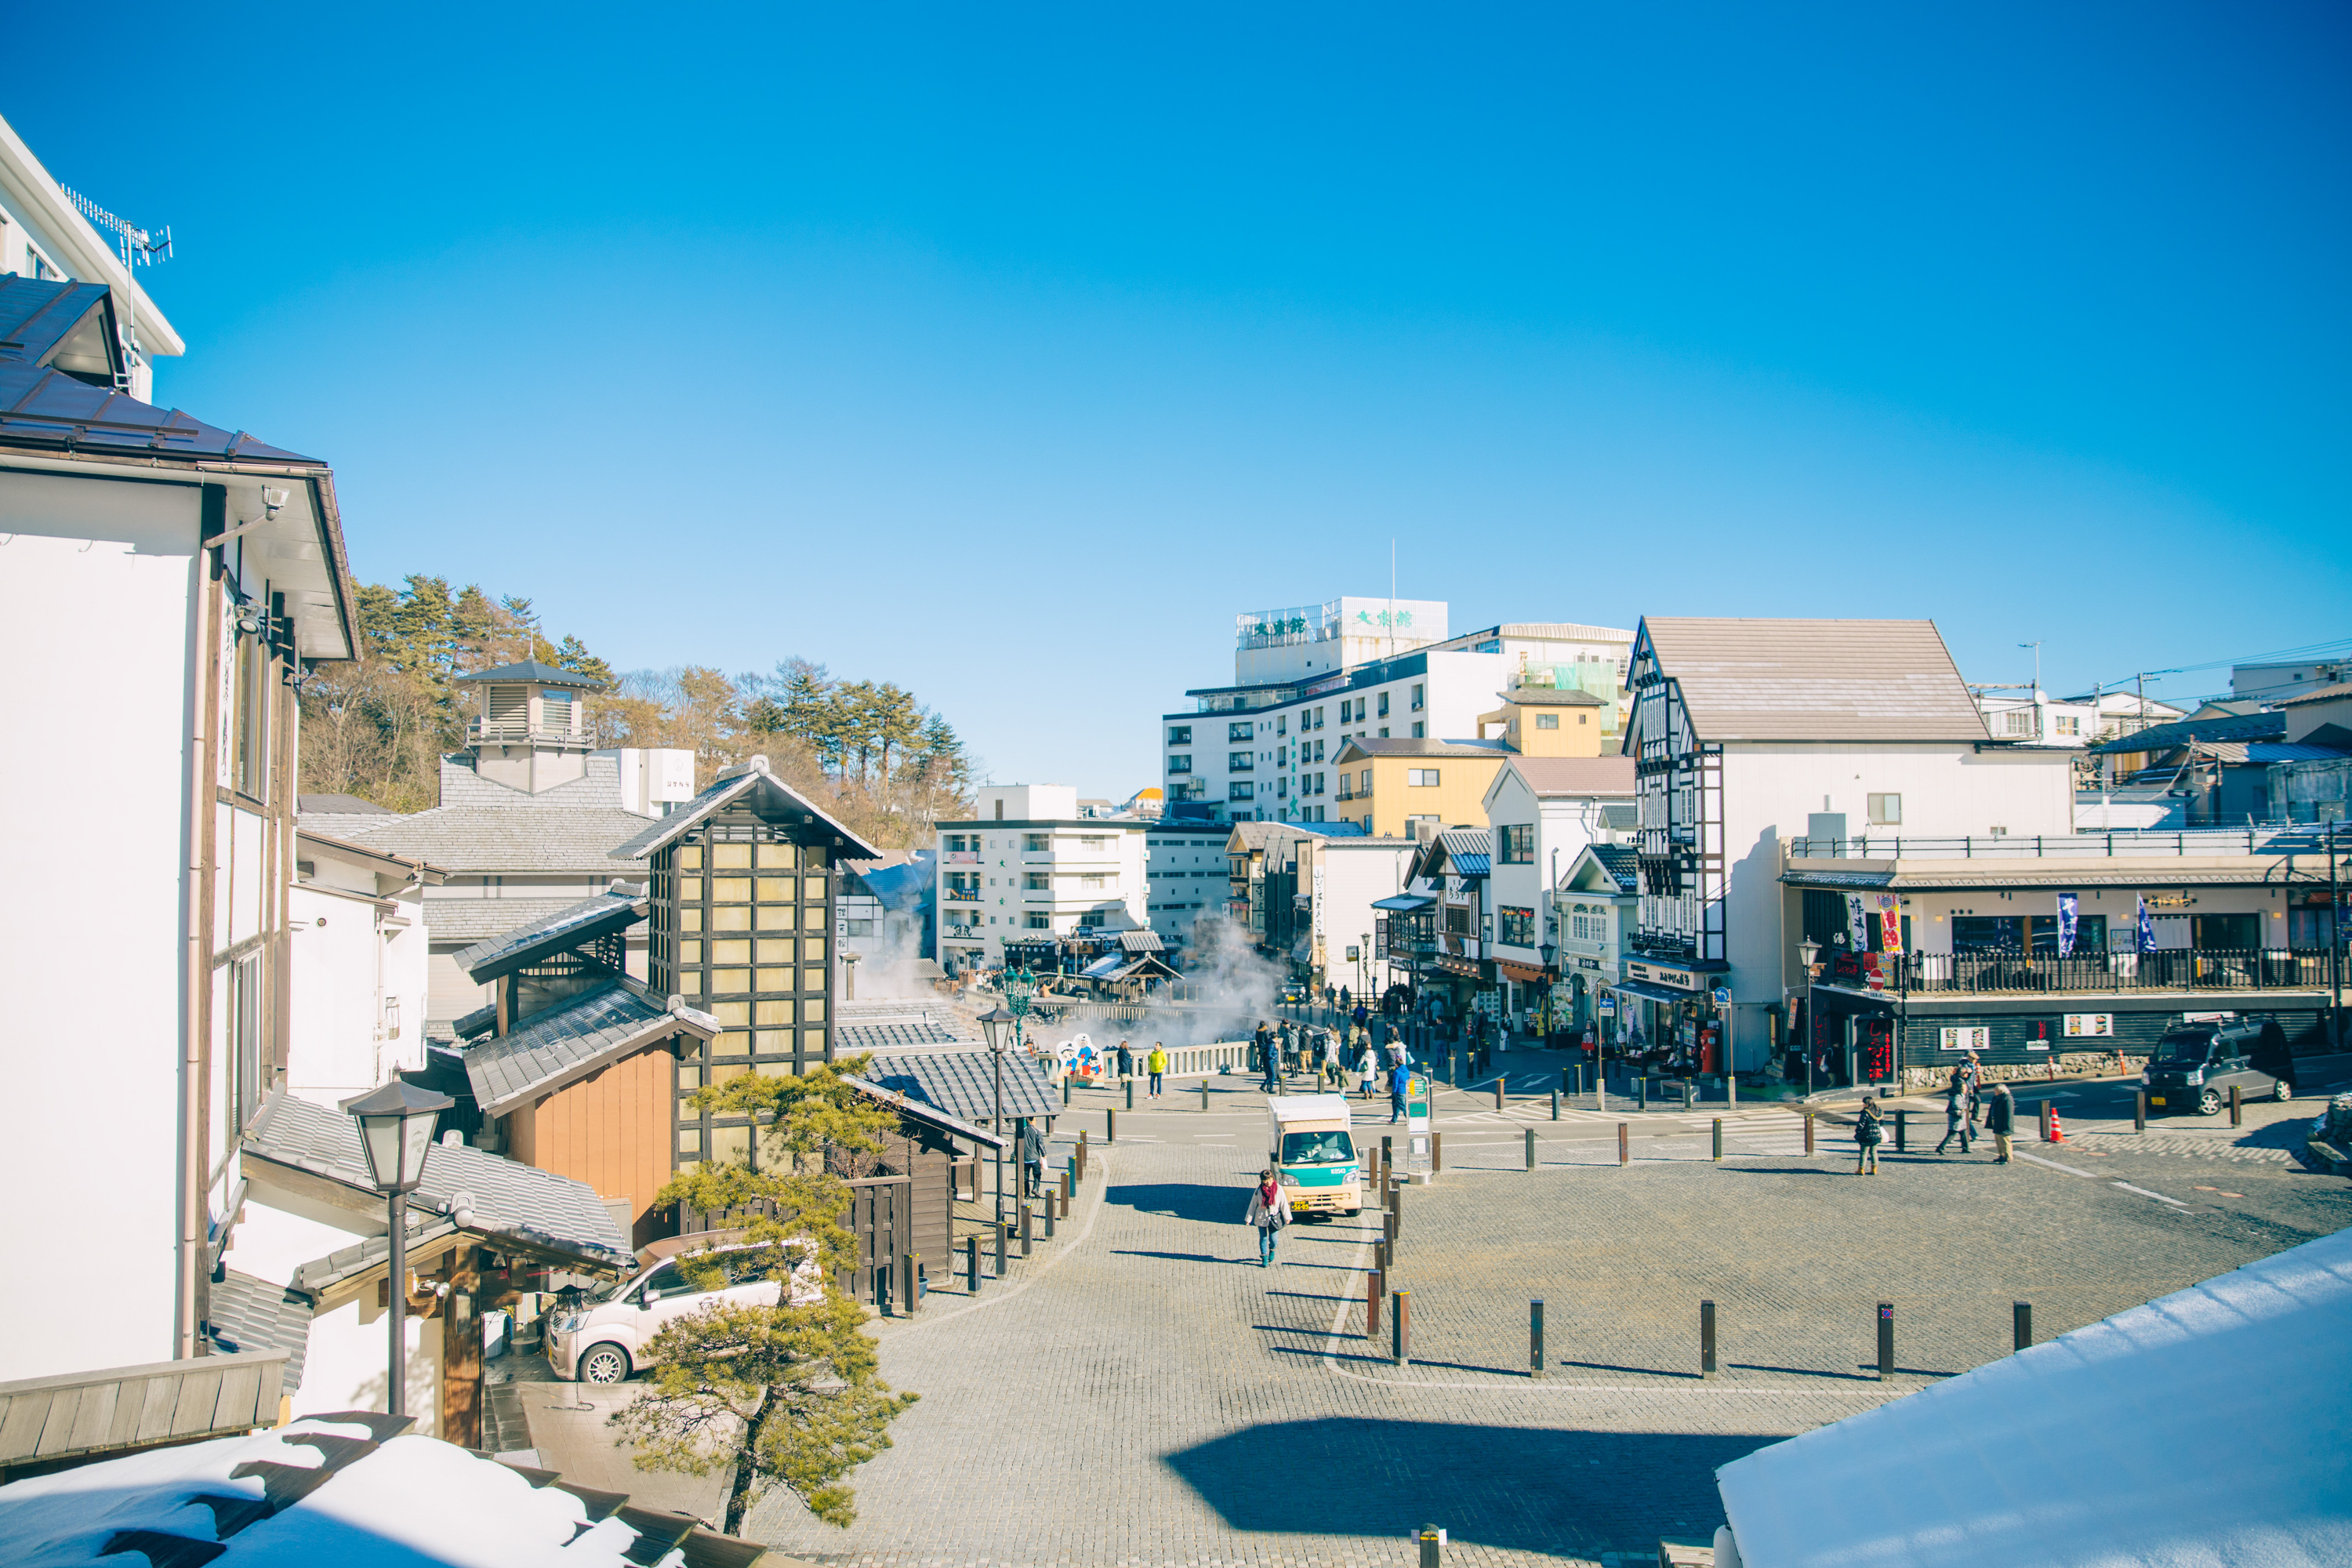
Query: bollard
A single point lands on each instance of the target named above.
(1642, 1092)
(2020, 1325)
(2139, 1111)
(1381, 1258)
(1707, 1339)
(1375, 1282)
(912, 1300)
(1204, 1094)
(1690, 1094)
(1066, 1203)
(1069, 1180)
(1432, 1546)
(1566, 1082)
(1401, 1328)
(1555, 1105)
(1718, 1139)
(1065, 1093)
(1050, 1206)
(1000, 1228)
(1535, 1338)
(971, 1263)
(1389, 1234)
(2237, 1117)
(1110, 1125)
(1886, 1338)
(1498, 1093)
(1902, 1119)
(1531, 1148)
(1130, 1094)
(1082, 1154)
(1437, 1152)
(1624, 1156)
(1396, 1209)
(1024, 1230)
(1809, 1132)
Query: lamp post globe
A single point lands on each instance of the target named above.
(396, 1125)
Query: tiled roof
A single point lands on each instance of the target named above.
(767, 793)
(1621, 861)
(532, 669)
(1576, 775)
(2185, 731)
(1388, 746)
(617, 908)
(931, 1115)
(2336, 693)
(1550, 697)
(249, 1315)
(964, 1083)
(476, 919)
(481, 827)
(508, 1198)
(556, 1045)
(1755, 680)
(1142, 942)
(894, 1034)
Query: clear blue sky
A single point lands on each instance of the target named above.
(1008, 351)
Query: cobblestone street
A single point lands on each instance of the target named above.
(1141, 1393)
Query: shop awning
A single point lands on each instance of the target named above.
(1650, 992)
(1404, 902)
(1525, 974)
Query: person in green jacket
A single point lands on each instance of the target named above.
(1155, 1064)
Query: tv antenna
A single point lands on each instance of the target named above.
(137, 246)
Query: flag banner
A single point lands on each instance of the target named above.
(2066, 921)
(1857, 923)
(2146, 926)
(1890, 923)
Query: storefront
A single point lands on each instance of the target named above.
(1675, 1021)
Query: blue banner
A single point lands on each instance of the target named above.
(2066, 919)
(2146, 926)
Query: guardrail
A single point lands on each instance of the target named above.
(2277, 839)
(2177, 969)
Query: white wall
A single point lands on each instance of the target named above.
(1355, 873)
(97, 590)
(348, 964)
(1561, 836)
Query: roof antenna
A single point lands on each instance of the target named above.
(136, 247)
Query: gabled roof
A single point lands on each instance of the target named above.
(484, 826)
(532, 669)
(1142, 942)
(617, 908)
(1377, 746)
(509, 1200)
(930, 1115)
(1456, 851)
(572, 1039)
(1617, 865)
(755, 785)
(2191, 731)
(249, 1315)
(1550, 697)
(1754, 679)
(964, 1083)
(2169, 1417)
(2336, 693)
(1552, 778)
(855, 1038)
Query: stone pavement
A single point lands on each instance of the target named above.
(1145, 1393)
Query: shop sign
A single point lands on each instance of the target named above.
(1890, 923)
(2090, 1025)
(1658, 974)
(1974, 1037)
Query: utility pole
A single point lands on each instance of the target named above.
(2336, 938)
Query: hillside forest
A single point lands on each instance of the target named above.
(376, 727)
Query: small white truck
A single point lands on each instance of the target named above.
(1313, 1154)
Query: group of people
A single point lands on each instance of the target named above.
(1962, 1101)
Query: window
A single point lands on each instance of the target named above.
(250, 718)
(1365, 787)
(1282, 723)
(1519, 927)
(1416, 702)
(1416, 729)
(2068, 723)
(248, 1079)
(2017, 721)
(1240, 761)
(1240, 731)
(1384, 705)
(1420, 778)
(1886, 810)
(1517, 841)
(1547, 720)
(848, 928)
(1180, 765)
(557, 705)
(1318, 755)
(1038, 922)
(1281, 786)
(1036, 882)
(1319, 718)
(1035, 843)
(1094, 843)
(1179, 735)
(1240, 789)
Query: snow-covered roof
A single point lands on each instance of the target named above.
(2208, 1427)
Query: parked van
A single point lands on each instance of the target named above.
(609, 1337)
(1313, 1154)
(2195, 1066)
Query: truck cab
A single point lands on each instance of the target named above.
(1314, 1154)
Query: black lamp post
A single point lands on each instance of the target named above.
(1810, 953)
(396, 1134)
(992, 1025)
(1548, 951)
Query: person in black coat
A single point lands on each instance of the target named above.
(1868, 1134)
(2001, 1120)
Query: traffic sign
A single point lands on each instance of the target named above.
(1723, 995)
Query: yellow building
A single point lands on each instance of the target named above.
(1548, 722)
(1389, 785)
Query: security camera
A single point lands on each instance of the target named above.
(273, 499)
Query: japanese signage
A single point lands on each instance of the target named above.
(1416, 1103)
(1857, 923)
(2090, 1025)
(1975, 1038)
(1658, 974)
(1890, 923)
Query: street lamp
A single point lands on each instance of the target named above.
(1547, 951)
(1809, 951)
(992, 1026)
(396, 1134)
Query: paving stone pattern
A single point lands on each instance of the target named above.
(1147, 1395)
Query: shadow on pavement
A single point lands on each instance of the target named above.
(1512, 1487)
(1183, 1200)
(1609, 1366)
(1179, 1257)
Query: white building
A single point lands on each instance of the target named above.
(1747, 734)
(46, 235)
(1542, 812)
(149, 972)
(1032, 869)
(2033, 716)
(359, 967)
(1262, 750)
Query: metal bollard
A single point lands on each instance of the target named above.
(1642, 1092)
(2020, 1325)
(1050, 1206)
(2139, 1111)
(1436, 1152)
(912, 1300)
(1026, 1217)
(1566, 1082)
(1065, 1093)
(1000, 1228)
(1902, 1120)
(1204, 1094)
(1433, 1544)
(1690, 1094)
(1110, 1125)
(971, 1263)
(1401, 1328)
(1886, 1338)
(1531, 1148)
(1809, 1132)
(1624, 1156)
(1718, 1139)
(1499, 1094)
(2237, 1115)
(1707, 1339)
(1375, 1282)
(1535, 1338)
(1130, 1094)
(1555, 1105)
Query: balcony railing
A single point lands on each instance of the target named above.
(2174, 969)
(961, 856)
(967, 934)
(963, 895)
(2275, 838)
(520, 732)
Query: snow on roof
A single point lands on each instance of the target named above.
(328, 1489)
(2208, 1427)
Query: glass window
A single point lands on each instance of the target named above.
(1326, 1148)
(1543, 721)
(1886, 810)
(1519, 927)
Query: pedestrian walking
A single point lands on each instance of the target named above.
(2001, 1120)
(1272, 1083)
(1260, 1044)
(1368, 1069)
(1399, 1077)
(1972, 1080)
(1956, 1121)
(1033, 1155)
(1268, 1213)
(1156, 1064)
(1867, 1135)
(1125, 1061)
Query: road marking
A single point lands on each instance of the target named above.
(2143, 1192)
(2056, 1166)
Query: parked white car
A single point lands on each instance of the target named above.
(609, 1338)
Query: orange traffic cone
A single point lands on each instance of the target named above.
(2057, 1133)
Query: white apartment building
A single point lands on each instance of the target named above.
(1030, 869)
(2033, 717)
(46, 235)
(1262, 749)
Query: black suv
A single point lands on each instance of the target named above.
(2196, 1065)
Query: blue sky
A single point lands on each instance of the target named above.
(1007, 353)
